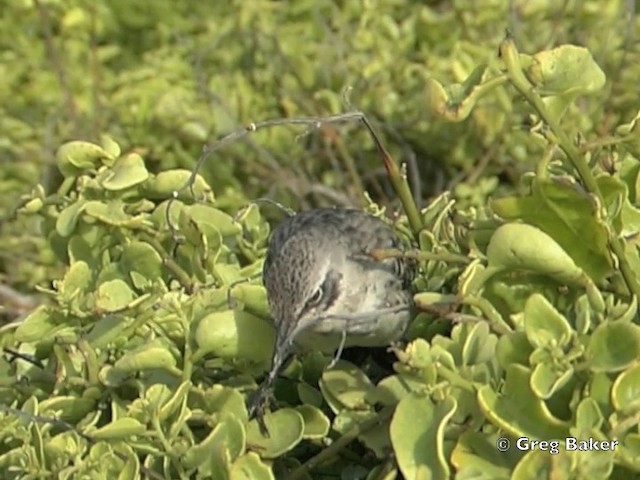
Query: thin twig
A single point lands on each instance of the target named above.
(396, 176)
(382, 253)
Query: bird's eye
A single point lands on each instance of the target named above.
(316, 298)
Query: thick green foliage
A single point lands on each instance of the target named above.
(154, 327)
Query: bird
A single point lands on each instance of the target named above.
(326, 291)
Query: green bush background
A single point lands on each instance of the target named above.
(137, 350)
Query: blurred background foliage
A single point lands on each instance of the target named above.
(165, 77)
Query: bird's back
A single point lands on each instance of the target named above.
(337, 225)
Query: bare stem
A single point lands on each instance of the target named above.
(396, 177)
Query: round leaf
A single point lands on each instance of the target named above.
(521, 246)
(39, 324)
(219, 398)
(223, 222)
(146, 357)
(106, 330)
(111, 213)
(252, 297)
(543, 324)
(142, 258)
(77, 156)
(235, 334)
(114, 295)
(567, 69)
(110, 145)
(479, 346)
(286, 428)
(588, 415)
(68, 218)
(69, 408)
(120, 429)
(625, 393)
(228, 434)
(250, 467)
(347, 384)
(419, 445)
(513, 348)
(546, 380)
(164, 185)
(613, 346)
(127, 171)
(316, 423)
(517, 410)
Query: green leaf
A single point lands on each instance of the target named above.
(316, 423)
(222, 221)
(219, 398)
(111, 213)
(141, 258)
(624, 216)
(588, 415)
(68, 408)
(613, 346)
(517, 410)
(131, 469)
(455, 102)
(164, 184)
(252, 297)
(229, 434)
(567, 69)
(40, 324)
(250, 467)
(346, 384)
(106, 330)
(374, 438)
(419, 445)
(513, 348)
(76, 156)
(569, 216)
(149, 356)
(479, 345)
(286, 429)
(547, 379)
(626, 389)
(176, 402)
(127, 172)
(77, 280)
(68, 218)
(507, 250)
(120, 429)
(114, 295)
(235, 334)
(110, 145)
(394, 388)
(544, 325)
(475, 456)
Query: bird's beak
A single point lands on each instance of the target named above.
(281, 352)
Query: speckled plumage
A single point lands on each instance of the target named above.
(311, 246)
